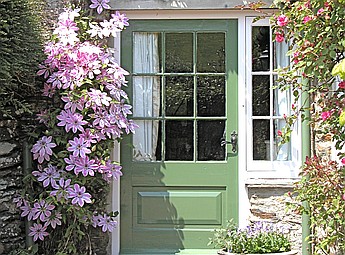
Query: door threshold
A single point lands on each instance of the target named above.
(167, 252)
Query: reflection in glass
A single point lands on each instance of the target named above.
(146, 57)
(211, 52)
(179, 96)
(211, 96)
(261, 140)
(179, 140)
(146, 96)
(179, 52)
(280, 58)
(261, 48)
(281, 152)
(261, 95)
(281, 102)
(210, 134)
(146, 141)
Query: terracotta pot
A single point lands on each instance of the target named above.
(222, 252)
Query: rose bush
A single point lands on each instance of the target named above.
(66, 193)
(316, 32)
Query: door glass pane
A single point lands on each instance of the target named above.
(147, 141)
(261, 95)
(146, 96)
(261, 139)
(211, 96)
(210, 134)
(211, 52)
(261, 48)
(179, 52)
(179, 143)
(179, 96)
(146, 53)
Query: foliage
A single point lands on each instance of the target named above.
(322, 186)
(261, 237)
(20, 52)
(65, 197)
(316, 31)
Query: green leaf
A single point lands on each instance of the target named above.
(339, 69)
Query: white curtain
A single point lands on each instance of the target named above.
(146, 95)
(281, 101)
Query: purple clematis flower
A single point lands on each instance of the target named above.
(38, 232)
(106, 222)
(48, 176)
(61, 189)
(42, 150)
(86, 166)
(100, 4)
(78, 195)
(27, 210)
(75, 122)
(110, 170)
(42, 209)
(79, 147)
(53, 220)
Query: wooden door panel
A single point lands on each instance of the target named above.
(202, 206)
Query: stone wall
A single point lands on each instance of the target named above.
(268, 203)
(12, 231)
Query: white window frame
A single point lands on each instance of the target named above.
(267, 168)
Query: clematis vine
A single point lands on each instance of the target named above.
(88, 112)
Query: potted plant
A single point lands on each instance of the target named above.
(258, 238)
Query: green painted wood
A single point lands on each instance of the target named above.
(172, 207)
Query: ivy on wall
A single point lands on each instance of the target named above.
(20, 53)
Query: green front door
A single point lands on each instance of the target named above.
(179, 180)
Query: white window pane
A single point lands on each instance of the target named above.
(146, 57)
(146, 96)
(146, 141)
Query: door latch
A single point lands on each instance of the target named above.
(233, 140)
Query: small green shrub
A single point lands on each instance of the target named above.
(261, 237)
